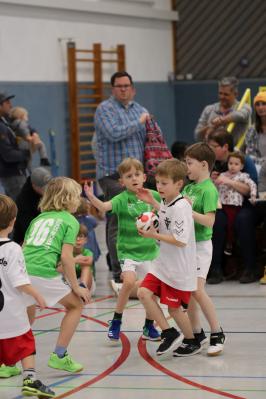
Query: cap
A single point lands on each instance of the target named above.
(5, 97)
(40, 177)
(261, 96)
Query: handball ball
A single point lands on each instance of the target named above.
(146, 220)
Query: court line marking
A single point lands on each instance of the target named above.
(145, 355)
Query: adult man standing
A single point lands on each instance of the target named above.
(13, 161)
(120, 133)
(225, 111)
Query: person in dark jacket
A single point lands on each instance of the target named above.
(13, 161)
(28, 201)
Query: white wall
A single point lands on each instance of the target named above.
(33, 37)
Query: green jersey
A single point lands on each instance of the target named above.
(84, 252)
(44, 239)
(130, 245)
(204, 197)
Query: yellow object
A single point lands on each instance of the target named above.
(263, 279)
(262, 88)
(261, 96)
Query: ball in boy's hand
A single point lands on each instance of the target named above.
(146, 220)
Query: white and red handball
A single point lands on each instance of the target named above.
(147, 219)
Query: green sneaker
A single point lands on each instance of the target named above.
(65, 363)
(9, 371)
(36, 388)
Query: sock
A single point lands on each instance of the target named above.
(117, 316)
(60, 351)
(29, 373)
(148, 322)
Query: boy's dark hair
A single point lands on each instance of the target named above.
(8, 211)
(118, 75)
(83, 230)
(222, 137)
(201, 152)
(172, 168)
(237, 154)
(178, 149)
(129, 163)
(83, 207)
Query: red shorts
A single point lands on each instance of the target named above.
(168, 295)
(12, 350)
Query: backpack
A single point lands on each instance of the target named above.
(155, 149)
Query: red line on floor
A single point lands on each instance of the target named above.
(145, 355)
(120, 360)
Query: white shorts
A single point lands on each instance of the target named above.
(140, 268)
(204, 257)
(52, 289)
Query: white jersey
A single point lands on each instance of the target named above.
(13, 313)
(177, 266)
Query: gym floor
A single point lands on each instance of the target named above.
(132, 367)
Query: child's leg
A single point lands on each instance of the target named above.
(182, 320)
(41, 149)
(202, 298)
(129, 279)
(86, 276)
(31, 386)
(153, 310)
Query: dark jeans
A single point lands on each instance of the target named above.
(111, 187)
(245, 234)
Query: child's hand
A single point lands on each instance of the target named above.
(88, 189)
(145, 195)
(223, 180)
(151, 233)
(40, 300)
(84, 294)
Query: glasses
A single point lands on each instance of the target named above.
(122, 86)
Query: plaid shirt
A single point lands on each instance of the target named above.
(119, 135)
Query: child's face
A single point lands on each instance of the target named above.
(234, 165)
(133, 179)
(167, 188)
(81, 241)
(194, 168)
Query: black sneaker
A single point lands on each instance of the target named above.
(217, 341)
(36, 388)
(247, 277)
(201, 337)
(228, 250)
(188, 347)
(170, 339)
(215, 278)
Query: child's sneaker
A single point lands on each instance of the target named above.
(65, 363)
(9, 371)
(150, 333)
(114, 329)
(170, 339)
(217, 341)
(116, 287)
(188, 347)
(263, 279)
(36, 388)
(201, 337)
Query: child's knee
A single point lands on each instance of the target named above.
(143, 294)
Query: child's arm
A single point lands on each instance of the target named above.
(102, 206)
(168, 238)
(30, 290)
(240, 187)
(84, 260)
(68, 263)
(206, 219)
(145, 195)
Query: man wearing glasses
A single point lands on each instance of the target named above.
(120, 133)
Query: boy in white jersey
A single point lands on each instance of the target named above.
(51, 236)
(16, 339)
(173, 275)
(134, 252)
(203, 195)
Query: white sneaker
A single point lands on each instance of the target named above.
(217, 341)
(116, 287)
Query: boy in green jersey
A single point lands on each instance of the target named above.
(203, 195)
(51, 236)
(134, 252)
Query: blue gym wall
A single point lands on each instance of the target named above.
(176, 106)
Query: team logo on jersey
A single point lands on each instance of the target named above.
(3, 262)
(179, 227)
(167, 222)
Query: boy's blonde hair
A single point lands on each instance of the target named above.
(173, 169)
(18, 113)
(201, 152)
(8, 211)
(129, 163)
(61, 193)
